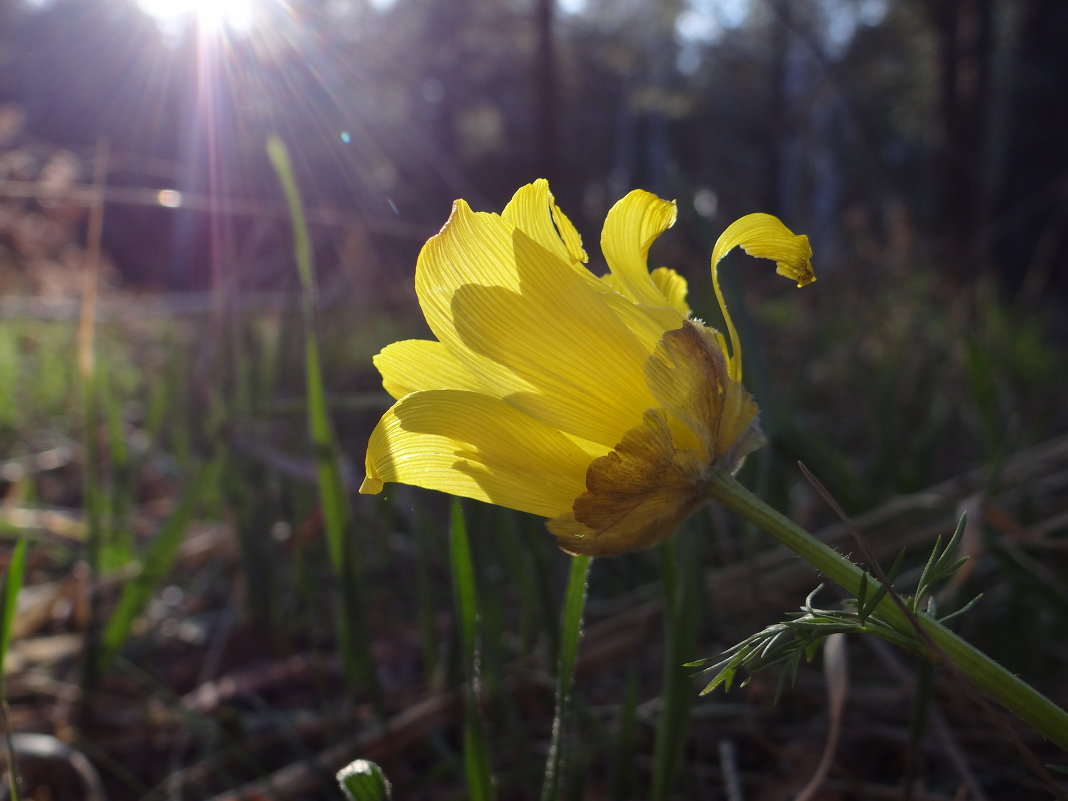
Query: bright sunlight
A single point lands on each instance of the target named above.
(209, 14)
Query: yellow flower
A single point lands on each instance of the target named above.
(596, 402)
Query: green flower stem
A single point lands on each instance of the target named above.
(938, 644)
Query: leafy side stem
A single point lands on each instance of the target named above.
(933, 640)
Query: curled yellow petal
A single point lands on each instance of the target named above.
(534, 212)
(764, 237)
(631, 227)
(673, 287)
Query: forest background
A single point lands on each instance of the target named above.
(919, 144)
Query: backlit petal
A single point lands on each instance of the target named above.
(673, 287)
(765, 237)
(534, 212)
(417, 364)
(537, 332)
(473, 249)
(475, 446)
(629, 230)
(647, 323)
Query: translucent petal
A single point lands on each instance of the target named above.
(534, 212)
(629, 230)
(563, 339)
(417, 364)
(475, 446)
(636, 496)
(546, 337)
(647, 323)
(763, 236)
(570, 235)
(673, 287)
(473, 249)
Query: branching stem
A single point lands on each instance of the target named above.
(937, 643)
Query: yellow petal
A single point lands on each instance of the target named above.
(673, 287)
(636, 496)
(629, 230)
(474, 248)
(688, 375)
(647, 323)
(534, 212)
(535, 331)
(765, 237)
(475, 446)
(417, 364)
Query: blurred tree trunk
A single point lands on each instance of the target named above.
(443, 80)
(964, 34)
(778, 118)
(1032, 207)
(548, 100)
(7, 26)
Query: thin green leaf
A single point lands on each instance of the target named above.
(463, 582)
(571, 628)
(954, 541)
(623, 768)
(352, 629)
(925, 580)
(155, 566)
(680, 578)
(883, 589)
(962, 610)
(16, 570)
(476, 755)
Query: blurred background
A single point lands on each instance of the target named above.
(930, 128)
(150, 335)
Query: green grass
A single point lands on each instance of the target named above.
(11, 585)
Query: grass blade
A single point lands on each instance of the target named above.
(155, 566)
(86, 356)
(12, 584)
(623, 784)
(574, 604)
(681, 593)
(16, 570)
(353, 635)
(476, 756)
